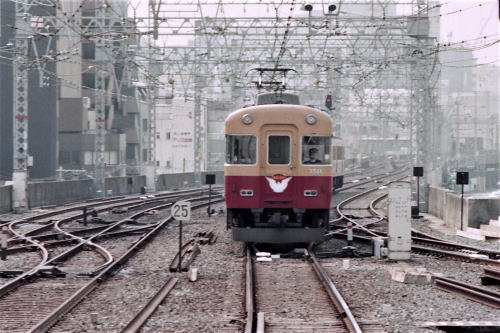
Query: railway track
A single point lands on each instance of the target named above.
(147, 311)
(470, 291)
(30, 242)
(358, 211)
(42, 298)
(296, 295)
(361, 210)
(356, 183)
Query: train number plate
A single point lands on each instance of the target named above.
(315, 171)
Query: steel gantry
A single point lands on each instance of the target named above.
(20, 167)
(100, 101)
(377, 58)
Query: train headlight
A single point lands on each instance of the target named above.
(311, 120)
(247, 119)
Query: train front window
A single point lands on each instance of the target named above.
(278, 149)
(241, 149)
(316, 150)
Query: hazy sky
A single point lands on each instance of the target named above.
(477, 19)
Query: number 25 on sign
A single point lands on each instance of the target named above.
(181, 211)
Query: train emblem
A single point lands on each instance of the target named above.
(278, 182)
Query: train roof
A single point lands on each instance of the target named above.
(279, 114)
(277, 98)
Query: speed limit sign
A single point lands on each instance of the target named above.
(181, 210)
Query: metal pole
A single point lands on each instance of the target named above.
(179, 264)
(462, 210)
(418, 196)
(100, 106)
(85, 216)
(20, 104)
(209, 209)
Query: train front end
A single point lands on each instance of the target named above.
(278, 173)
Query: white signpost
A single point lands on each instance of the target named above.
(181, 211)
(399, 220)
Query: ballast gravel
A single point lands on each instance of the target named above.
(215, 303)
(211, 304)
(371, 293)
(424, 225)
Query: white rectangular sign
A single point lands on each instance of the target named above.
(399, 220)
(181, 210)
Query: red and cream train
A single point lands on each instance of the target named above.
(279, 173)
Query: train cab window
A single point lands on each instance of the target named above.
(278, 149)
(241, 149)
(316, 150)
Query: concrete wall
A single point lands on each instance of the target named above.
(124, 185)
(179, 180)
(446, 205)
(452, 211)
(482, 210)
(437, 200)
(59, 192)
(5, 199)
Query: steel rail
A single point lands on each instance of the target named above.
(361, 194)
(147, 311)
(456, 246)
(432, 240)
(249, 293)
(420, 248)
(491, 276)
(174, 265)
(370, 179)
(435, 242)
(376, 201)
(336, 298)
(58, 242)
(90, 241)
(478, 294)
(126, 201)
(78, 296)
(32, 273)
(356, 224)
(493, 273)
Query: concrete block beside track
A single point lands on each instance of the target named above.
(5, 198)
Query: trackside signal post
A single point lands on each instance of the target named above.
(210, 180)
(181, 211)
(417, 172)
(462, 179)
